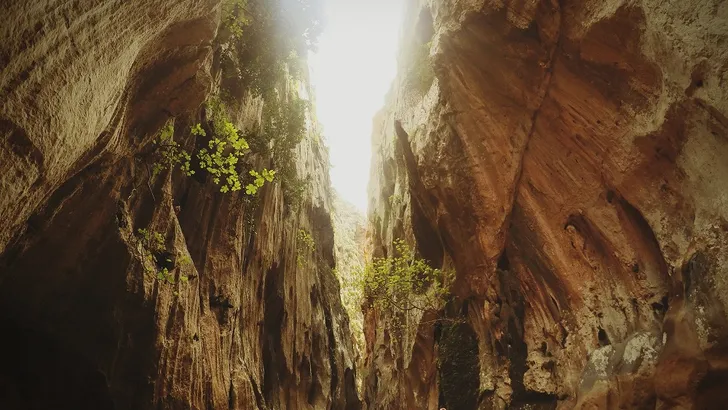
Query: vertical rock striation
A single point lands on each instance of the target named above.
(567, 159)
(350, 246)
(251, 320)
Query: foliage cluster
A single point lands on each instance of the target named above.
(170, 154)
(219, 157)
(263, 44)
(225, 148)
(152, 242)
(234, 17)
(219, 161)
(306, 245)
(294, 188)
(405, 282)
(394, 200)
(262, 38)
(306, 240)
(284, 123)
(260, 179)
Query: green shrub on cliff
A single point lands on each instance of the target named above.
(284, 123)
(234, 17)
(220, 157)
(169, 153)
(262, 40)
(306, 240)
(305, 245)
(225, 147)
(263, 47)
(260, 179)
(404, 282)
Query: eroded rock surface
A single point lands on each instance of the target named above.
(568, 159)
(258, 323)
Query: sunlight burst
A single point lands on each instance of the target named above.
(351, 73)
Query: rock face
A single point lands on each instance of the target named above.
(257, 324)
(350, 246)
(568, 160)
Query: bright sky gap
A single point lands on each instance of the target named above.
(351, 72)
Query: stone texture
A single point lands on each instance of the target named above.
(350, 246)
(568, 160)
(85, 86)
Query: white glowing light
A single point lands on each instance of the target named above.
(351, 73)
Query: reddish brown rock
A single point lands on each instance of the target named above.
(568, 160)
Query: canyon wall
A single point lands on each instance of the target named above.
(568, 159)
(350, 244)
(244, 316)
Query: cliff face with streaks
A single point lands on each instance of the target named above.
(350, 246)
(568, 160)
(247, 319)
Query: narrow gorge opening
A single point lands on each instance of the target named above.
(352, 70)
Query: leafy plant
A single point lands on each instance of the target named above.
(169, 153)
(219, 161)
(284, 122)
(153, 242)
(294, 189)
(278, 34)
(306, 240)
(152, 248)
(165, 276)
(260, 179)
(224, 151)
(306, 244)
(220, 158)
(267, 62)
(234, 17)
(404, 282)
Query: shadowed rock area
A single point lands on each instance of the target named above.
(568, 160)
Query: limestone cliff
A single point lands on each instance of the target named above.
(568, 160)
(247, 318)
(350, 245)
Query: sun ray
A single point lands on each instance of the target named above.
(351, 72)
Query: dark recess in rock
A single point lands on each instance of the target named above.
(38, 372)
(459, 368)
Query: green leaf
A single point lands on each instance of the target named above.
(198, 130)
